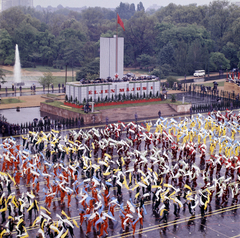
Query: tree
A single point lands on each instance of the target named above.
(93, 18)
(125, 10)
(181, 58)
(181, 37)
(46, 80)
(166, 55)
(25, 36)
(189, 14)
(233, 33)
(55, 23)
(45, 49)
(166, 69)
(139, 35)
(238, 54)
(157, 72)
(108, 34)
(197, 56)
(90, 71)
(145, 60)
(6, 48)
(171, 80)
(73, 51)
(160, 29)
(11, 19)
(2, 77)
(175, 34)
(218, 61)
(165, 14)
(140, 7)
(72, 47)
(229, 50)
(218, 22)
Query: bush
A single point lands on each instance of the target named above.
(27, 64)
(166, 69)
(157, 72)
(173, 98)
(171, 80)
(8, 61)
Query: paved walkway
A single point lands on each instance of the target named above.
(35, 100)
(142, 112)
(27, 101)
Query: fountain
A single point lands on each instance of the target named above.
(17, 69)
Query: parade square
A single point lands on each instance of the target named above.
(171, 177)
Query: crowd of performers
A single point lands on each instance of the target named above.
(168, 165)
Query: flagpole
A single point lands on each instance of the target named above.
(117, 47)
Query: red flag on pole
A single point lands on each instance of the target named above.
(120, 22)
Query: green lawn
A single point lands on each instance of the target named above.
(56, 81)
(142, 71)
(51, 95)
(10, 100)
(61, 105)
(61, 80)
(140, 104)
(47, 69)
(7, 71)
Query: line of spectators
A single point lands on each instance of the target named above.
(45, 124)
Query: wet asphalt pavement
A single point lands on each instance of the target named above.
(217, 222)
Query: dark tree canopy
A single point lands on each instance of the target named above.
(174, 38)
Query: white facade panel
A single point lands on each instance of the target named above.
(108, 57)
(112, 57)
(120, 56)
(76, 92)
(102, 90)
(104, 57)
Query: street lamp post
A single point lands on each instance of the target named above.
(185, 83)
(66, 74)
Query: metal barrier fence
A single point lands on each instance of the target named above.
(207, 99)
(8, 129)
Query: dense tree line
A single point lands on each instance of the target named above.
(175, 38)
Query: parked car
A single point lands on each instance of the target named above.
(199, 73)
(132, 75)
